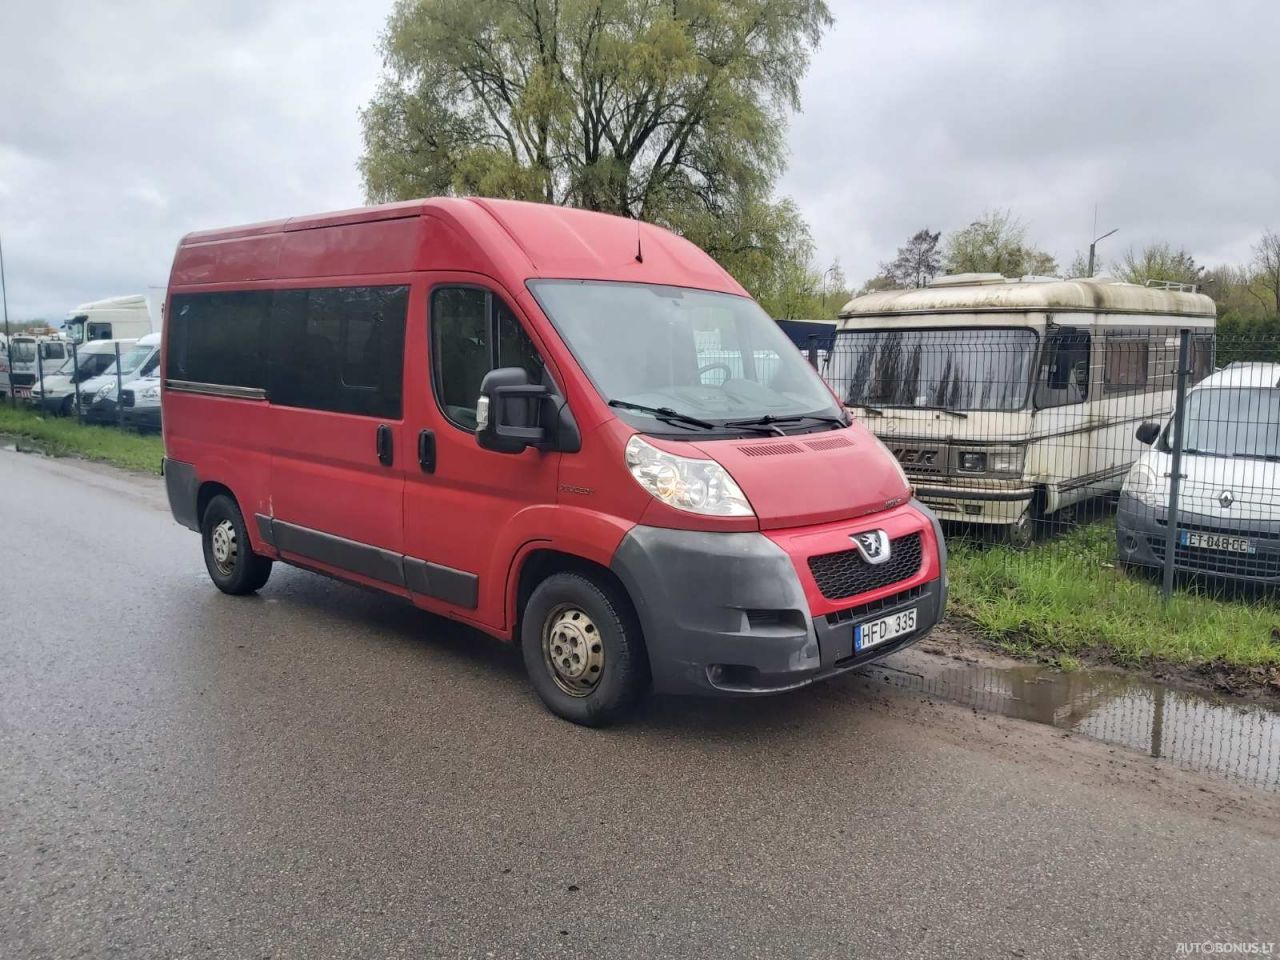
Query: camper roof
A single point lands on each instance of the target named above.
(979, 292)
(132, 301)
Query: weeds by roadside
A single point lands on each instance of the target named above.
(1066, 598)
(64, 437)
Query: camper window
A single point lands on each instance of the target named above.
(1126, 360)
(1064, 369)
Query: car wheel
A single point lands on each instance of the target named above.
(583, 649)
(1021, 534)
(233, 566)
(68, 408)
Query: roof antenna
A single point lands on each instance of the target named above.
(639, 251)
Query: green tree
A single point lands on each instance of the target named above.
(1157, 261)
(671, 112)
(996, 243)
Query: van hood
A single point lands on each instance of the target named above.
(1226, 488)
(809, 478)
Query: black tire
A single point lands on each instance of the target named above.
(68, 408)
(623, 677)
(233, 567)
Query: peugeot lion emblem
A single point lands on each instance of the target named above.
(1227, 498)
(873, 546)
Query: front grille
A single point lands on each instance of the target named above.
(1226, 562)
(126, 398)
(920, 460)
(22, 379)
(846, 574)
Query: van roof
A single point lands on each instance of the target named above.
(501, 238)
(132, 301)
(976, 292)
(1243, 374)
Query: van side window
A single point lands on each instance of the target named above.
(1125, 364)
(1064, 369)
(339, 349)
(515, 349)
(1201, 356)
(218, 338)
(98, 331)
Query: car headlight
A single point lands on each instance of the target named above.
(698, 486)
(1145, 486)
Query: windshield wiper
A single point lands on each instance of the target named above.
(769, 420)
(874, 411)
(666, 414)
(1273, 457)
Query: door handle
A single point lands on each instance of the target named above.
(386, 449)
(427, 451)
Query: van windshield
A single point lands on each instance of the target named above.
(1234, 422)
(132, 360)
(711, 356)
(952, 369)
(24, 351)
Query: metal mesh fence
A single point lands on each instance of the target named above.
(1168, 435)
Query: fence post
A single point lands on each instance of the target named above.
(119, 387)
(75, 377)
(39, 370)
(1175, 471)
(813, 350)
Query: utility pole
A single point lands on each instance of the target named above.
(1094, 245)
(8, 338)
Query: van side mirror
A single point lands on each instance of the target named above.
(1148, 432)
(508, 411)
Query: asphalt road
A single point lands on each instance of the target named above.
(322, 771)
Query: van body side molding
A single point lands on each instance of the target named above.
(362, 558)
(458, 587)
(444, 583)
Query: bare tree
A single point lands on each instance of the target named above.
(1158, 261)
(917, 262)
(1266, 266)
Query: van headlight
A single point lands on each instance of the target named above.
(108, 390)
(1145, 486)
(995, 461)
(698, 486)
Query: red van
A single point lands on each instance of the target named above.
(569, 430)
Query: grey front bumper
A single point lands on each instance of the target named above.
(725, 613)
(1141, 533)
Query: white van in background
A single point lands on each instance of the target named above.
(27, 358)
(1008, 400)
(115, 318)
(98, 401)
(91, 359)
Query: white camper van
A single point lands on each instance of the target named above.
(116, 318)
(1007, 401)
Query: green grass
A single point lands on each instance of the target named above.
(1066, 598)
(63, 437)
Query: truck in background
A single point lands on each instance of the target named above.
(116, 318)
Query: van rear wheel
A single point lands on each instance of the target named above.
(583, 650)
(233, 566)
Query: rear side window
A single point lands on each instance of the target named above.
(218, 338)
(1125, 364)
(339, 349)
(473, 332)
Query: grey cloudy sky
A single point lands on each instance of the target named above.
(125, 124)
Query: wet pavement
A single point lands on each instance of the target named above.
(322, 771)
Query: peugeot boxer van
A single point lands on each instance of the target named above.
(571, 431)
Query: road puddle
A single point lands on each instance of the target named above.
(12, 444)
(1233, 739)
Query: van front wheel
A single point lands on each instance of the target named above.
(583, 650)
(233, 566)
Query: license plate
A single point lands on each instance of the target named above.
(1218, 541)
(868, 635)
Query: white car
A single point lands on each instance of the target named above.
(141, 403)
(1229, 498)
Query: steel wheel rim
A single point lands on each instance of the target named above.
(572, 650)
(224, 546)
